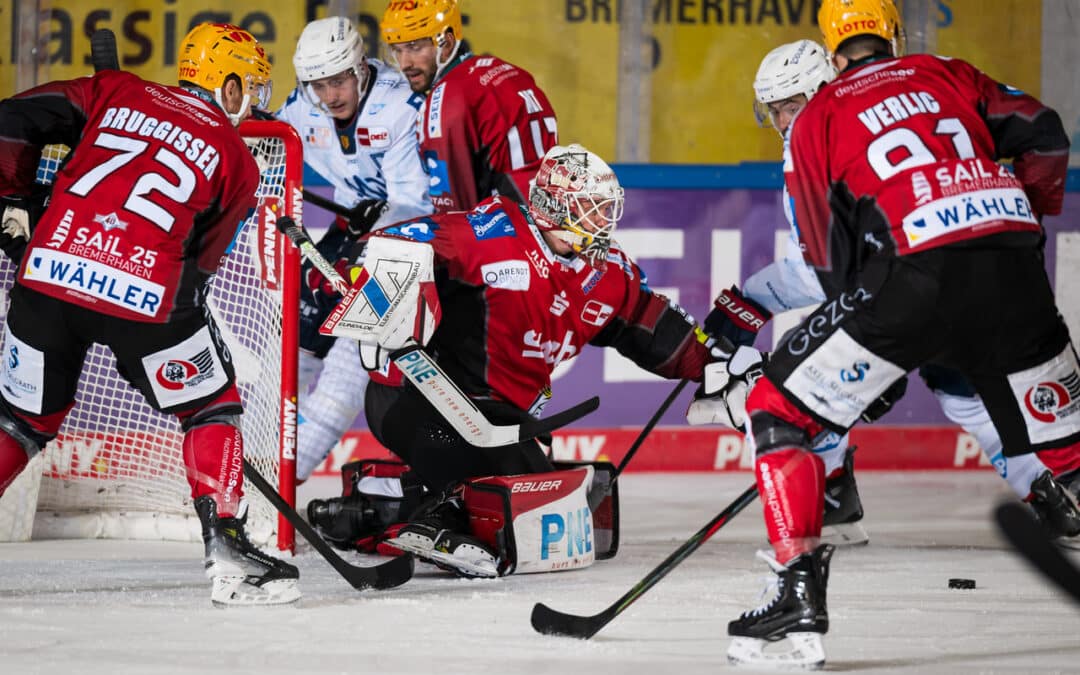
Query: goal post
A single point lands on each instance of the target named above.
(116, 470)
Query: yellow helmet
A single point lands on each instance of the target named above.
(212, 52)
(843, 19)
(408, 20)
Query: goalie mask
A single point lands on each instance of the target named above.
(213, 52)
(328, 47)
(798, 68)
(577, 197)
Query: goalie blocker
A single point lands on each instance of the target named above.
(538, 522)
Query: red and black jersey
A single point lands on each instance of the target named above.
(900, 155)
(484, 128)
(145, 206)
(513, 310)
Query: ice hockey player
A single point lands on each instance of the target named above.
(519, 291)
(357, 119)
(485, 124)
(898, 212)
(787, 78)
(141, 215)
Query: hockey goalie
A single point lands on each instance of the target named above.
(499, 296)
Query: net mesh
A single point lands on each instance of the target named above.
(117, 469)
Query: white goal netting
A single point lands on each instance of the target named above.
(117, 470)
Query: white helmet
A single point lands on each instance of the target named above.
(789, 70)
(576, 196)
(328, 47)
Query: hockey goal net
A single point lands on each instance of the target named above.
(116, 470)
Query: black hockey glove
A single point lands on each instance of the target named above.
(736, 317)
(886, 401)
(363, 217)
(18, 216)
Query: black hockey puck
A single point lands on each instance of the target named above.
(965, 584)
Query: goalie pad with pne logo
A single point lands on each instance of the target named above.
(541, 522)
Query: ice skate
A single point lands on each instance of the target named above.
(242, 575)
(796, 614)
(1054, 501)
(438, 537)
(843, 508)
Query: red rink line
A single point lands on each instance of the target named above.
(881, 448)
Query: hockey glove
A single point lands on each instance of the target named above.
(736, 317)
(721, 398)
(884, 403)
(18, 216)
(362, 217)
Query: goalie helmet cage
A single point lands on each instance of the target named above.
(116, 470)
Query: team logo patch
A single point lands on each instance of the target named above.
(186, 372)
(175, 374)
(1048, 401)
(110, 222)
(1048, 396)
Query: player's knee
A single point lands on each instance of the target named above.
(773, 433)
(225, 409)
(31, 440)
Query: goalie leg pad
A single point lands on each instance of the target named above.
(604, 503)
(538, 522)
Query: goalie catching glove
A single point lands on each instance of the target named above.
(721, 398)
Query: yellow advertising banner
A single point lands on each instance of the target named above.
(701, 54)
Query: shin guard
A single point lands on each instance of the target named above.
(791, 482)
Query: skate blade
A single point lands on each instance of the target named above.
(845, 534)
(804, 652)
(473, 568)
(1070, 543)
(237, 592)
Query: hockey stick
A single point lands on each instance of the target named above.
(649, 427)
(326, 204)
(433, 383)
(1028, 537)
(103, 50)
(597, 496)
(389, 574)
(551, 622)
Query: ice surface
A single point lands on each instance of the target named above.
(90, 607)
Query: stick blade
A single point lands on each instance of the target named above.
(546, 425)
(390, 574)
(1027, 535)
(548, 621)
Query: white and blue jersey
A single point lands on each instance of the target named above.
(788, 283)
(377, 156)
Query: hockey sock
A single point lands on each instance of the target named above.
(214, 457)
(1060, 460)
(13, 460)
(791, 482)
